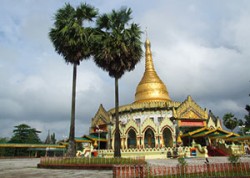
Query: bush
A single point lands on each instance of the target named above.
(88, 161)
(234, 159)
(182, 162)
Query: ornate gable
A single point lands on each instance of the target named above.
(190, 110)
(190, 114)
(218, 123)
(210, 123)
(101, 117)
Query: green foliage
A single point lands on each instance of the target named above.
(117, 44)
(247, 119)
(4, 140)
(3, 150)
(246, 122)
(25, 134)
(182, 162)
(117, 49)
(234, 159)
(69, 36)
(73, 41)
(22, 133)
(230, 121)
(53, 138)
(50, 139)
(87, 161)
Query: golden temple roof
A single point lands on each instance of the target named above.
(150, 88)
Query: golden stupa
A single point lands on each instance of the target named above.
(152, 120)
(150, 88)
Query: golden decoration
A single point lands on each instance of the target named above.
(150, 88)
(95, 144)
(190, 114)
(189, 109)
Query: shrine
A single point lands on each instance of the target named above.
(154, 121)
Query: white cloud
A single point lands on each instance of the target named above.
(199, 48)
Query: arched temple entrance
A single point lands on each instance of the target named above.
(167, 137)
(131, 141)
(149, 139)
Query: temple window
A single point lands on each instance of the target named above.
(152, 118)
(138, 121)
(160, 119)
(149, 139)
(167, 137)
(131, 142)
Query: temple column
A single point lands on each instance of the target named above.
(156, 142)
(160, 141)
(138, 142)
(142, 142)
(125, 143)
(122, 143)
(113, 143)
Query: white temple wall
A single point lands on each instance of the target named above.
(128, 123)
(142, 116)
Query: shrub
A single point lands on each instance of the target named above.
(234, 159)
(182, 162)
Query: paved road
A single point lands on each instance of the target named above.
(27, 168)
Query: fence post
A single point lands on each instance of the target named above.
(114, 171)
(141, 171)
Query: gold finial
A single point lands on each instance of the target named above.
(151, 88)
(147, 42)
(149, 66)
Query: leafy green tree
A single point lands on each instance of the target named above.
(72, 40)
(25, 134)
(230, 121)
(4, 140)
(247, 120)
(117, 50)
(2, 150)
(247, 117)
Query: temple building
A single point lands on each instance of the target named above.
(153, 120)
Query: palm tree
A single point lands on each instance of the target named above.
(73, 41)
(117, 50)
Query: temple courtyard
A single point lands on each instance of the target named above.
(19, 168)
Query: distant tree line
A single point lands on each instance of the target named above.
(24, 134)
(231, 122)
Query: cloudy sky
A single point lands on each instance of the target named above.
(200, 48)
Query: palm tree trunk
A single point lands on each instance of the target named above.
(117, 152)
(71, 148)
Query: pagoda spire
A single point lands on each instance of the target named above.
(150, 88)
(149, 66)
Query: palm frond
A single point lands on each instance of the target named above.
(119, 49)
(70, 38)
